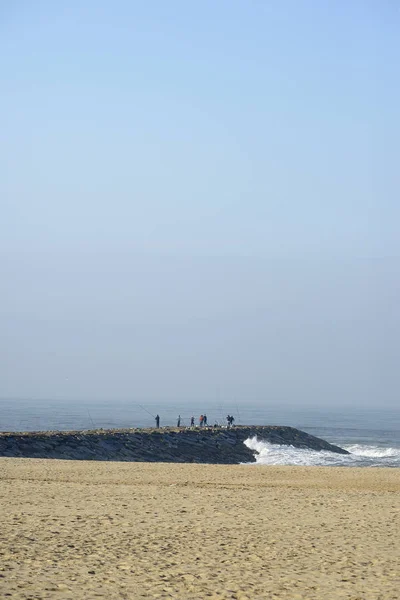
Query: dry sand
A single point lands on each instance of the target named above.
(134, 530)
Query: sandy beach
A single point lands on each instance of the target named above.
(75, 529)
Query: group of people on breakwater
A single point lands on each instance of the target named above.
(202, 421)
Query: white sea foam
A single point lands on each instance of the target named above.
(360, 456)
(373, 451)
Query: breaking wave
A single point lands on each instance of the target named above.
(360, 456)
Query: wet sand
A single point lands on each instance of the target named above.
(75, 529)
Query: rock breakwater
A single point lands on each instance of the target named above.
(207, 445)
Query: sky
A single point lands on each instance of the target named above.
(200, 196)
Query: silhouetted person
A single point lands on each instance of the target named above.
(201, 420)
(157, 421)
(228, 420)
(179, 421)
(205, 419)
(191, 421)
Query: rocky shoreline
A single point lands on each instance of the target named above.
(199, 445)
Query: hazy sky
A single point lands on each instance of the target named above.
(200, 196)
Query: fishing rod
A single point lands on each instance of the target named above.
(145, 409)
(218, 396)
(94, 426)
(237, 409)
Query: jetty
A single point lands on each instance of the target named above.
(212, 445)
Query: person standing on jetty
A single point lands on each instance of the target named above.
(157, 419)
(205, 420)
(201, 420)
(179, 421)
(191, 421)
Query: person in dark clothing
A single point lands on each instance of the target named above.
(228, 420)
(179, 421)
(157, 419)
(204, 419)
(191, 421)
(232, 420)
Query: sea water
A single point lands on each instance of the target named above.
(371, 436)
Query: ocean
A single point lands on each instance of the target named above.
(372, 436)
